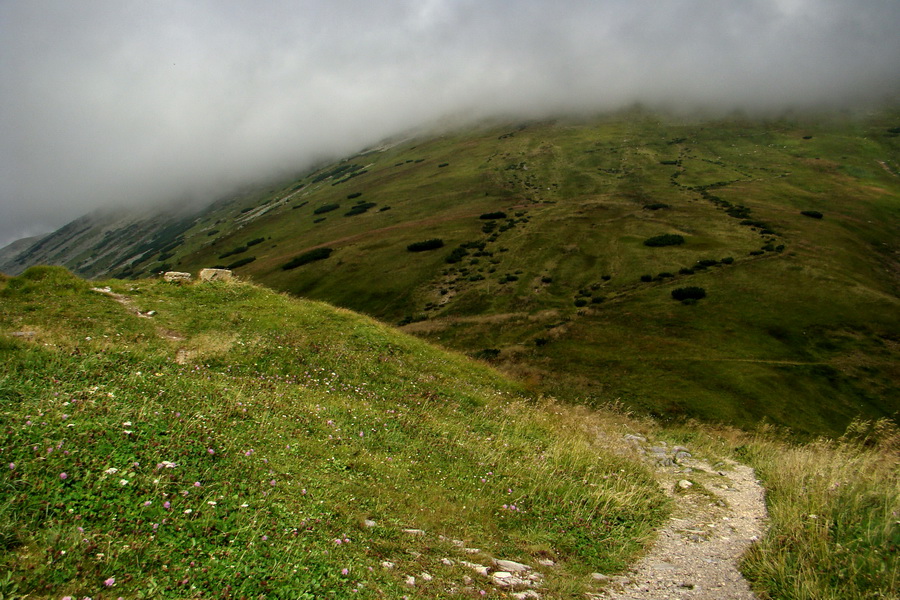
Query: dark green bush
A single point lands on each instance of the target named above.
(234, 251)
(432, 244)
(667, 239)
(493, 215)
(354, 195)
(606, 277)
(597, 299)
(685, 271)
(240, 263)
(579, 302)
(456, 255)
(255, 242)
(727, 260)
(656, 206)
(756, 252)
(359, 209)
(689, 293)
(812, 213)
(213, 232)
(326, 208)
(546, 279)
(646, 278)
(307, 257)
(442, 165)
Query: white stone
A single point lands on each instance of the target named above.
(685, 484)
(511, 566)
(410, 580)
(546, 562)
(414, 531)
(426, 576)
(387, 564)
(216, 275)
(369, 523)
(176, 276)
(599, 577)
(447, 562)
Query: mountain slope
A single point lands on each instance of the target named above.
(235, 442)
(551, 261)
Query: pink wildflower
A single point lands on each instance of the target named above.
(63, 475)
(110, 582)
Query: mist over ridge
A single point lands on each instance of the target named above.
(109, 103)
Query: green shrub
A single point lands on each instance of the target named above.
(456, 255)
(255, 242)
(307, 257)
(234, 251)
(326, 208)
(442, 165)
(689, 293)
(579, 302)
(359, 209)
(656, 206)
(432, 244)
(667, 239)
(493, 215)
(646, 278)
(727, 260)
(685, 271)
(240, 263)
(212, 232)
(354, 195)
(812, 213)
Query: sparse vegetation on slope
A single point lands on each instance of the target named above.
(240, 443)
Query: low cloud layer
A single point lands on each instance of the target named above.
(127, 102)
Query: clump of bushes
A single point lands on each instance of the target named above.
(667, 239)
(812, 213)
(326, 208)
(656, 206)
(579, 302)
(255, 242)
(354, 195)
(307, 257)
(493, 215)
(234, 251)
(432, 244)
(240, 263)
(646, 278)
(690, 293)
(359, 209)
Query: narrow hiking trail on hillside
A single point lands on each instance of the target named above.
(719, 512)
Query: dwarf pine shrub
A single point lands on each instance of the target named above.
(667, 239)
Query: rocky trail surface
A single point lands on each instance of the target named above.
(719, 512)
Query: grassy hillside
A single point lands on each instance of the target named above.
(789, 227)
(221, 440)
(562, 242)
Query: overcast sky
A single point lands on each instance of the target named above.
(123, 102)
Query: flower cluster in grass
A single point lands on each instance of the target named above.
(251, 471)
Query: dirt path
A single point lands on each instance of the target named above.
(716, 519)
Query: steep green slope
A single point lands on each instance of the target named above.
(221, 440)
(544, 267)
